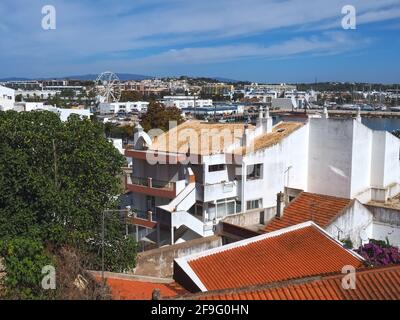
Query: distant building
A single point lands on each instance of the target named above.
(63, 113)
(283, 87)
(123, 107)
(7, 98)
(218, 109)
(186, 102)
(218, 89)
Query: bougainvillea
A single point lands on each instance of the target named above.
(379, 253)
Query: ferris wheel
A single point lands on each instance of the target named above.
(107, 86)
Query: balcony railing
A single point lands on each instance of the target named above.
(152, 183)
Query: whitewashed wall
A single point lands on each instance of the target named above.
(353, 223)
(330, 157)
(361, 158)
(290, 152)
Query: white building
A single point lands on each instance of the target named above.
(64, 114)
(199, 173)
(186, 102)
(7, 98)
(125, 107)
(262, 95)
(40, 94)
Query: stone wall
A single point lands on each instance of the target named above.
(159, 262)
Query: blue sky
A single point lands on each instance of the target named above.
(256, 40)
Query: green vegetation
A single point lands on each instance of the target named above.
(158, 117)
(118, 132)
(56, 180)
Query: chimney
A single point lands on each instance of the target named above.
(156, 295)
(245, 136)
(267, 122)
(261, 114)
(325, 113)
(279, 207)
(358, 118)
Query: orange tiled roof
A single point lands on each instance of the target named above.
(126, 289)
(201, 138)
(266, 140)
(297, 252)
(309, 206)
(371, 284)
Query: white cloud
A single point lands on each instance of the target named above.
(102, 30)
(329, 43)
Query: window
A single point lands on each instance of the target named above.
(225, 207)
(216, 167)
(254, 204)
(254, 171)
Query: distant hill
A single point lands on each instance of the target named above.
(122, 76)
(226, 80)
(14, 79)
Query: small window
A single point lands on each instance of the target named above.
(254, 171)
(254, 204)
(216, 167)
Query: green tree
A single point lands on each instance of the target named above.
(56, 180)
(118, 132)
(24, 259)
(158, 116)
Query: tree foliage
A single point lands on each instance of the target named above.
(158, 117)
(118, 132)
(56, 180)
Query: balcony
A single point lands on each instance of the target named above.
(217, 191)
(151, 187)
(142, 218)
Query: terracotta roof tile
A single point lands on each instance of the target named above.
(204, 138)
(309, 206)
(371, 284)
(125, 289)
(266, 140)
(304, 250)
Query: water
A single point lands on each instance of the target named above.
(387, 124)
